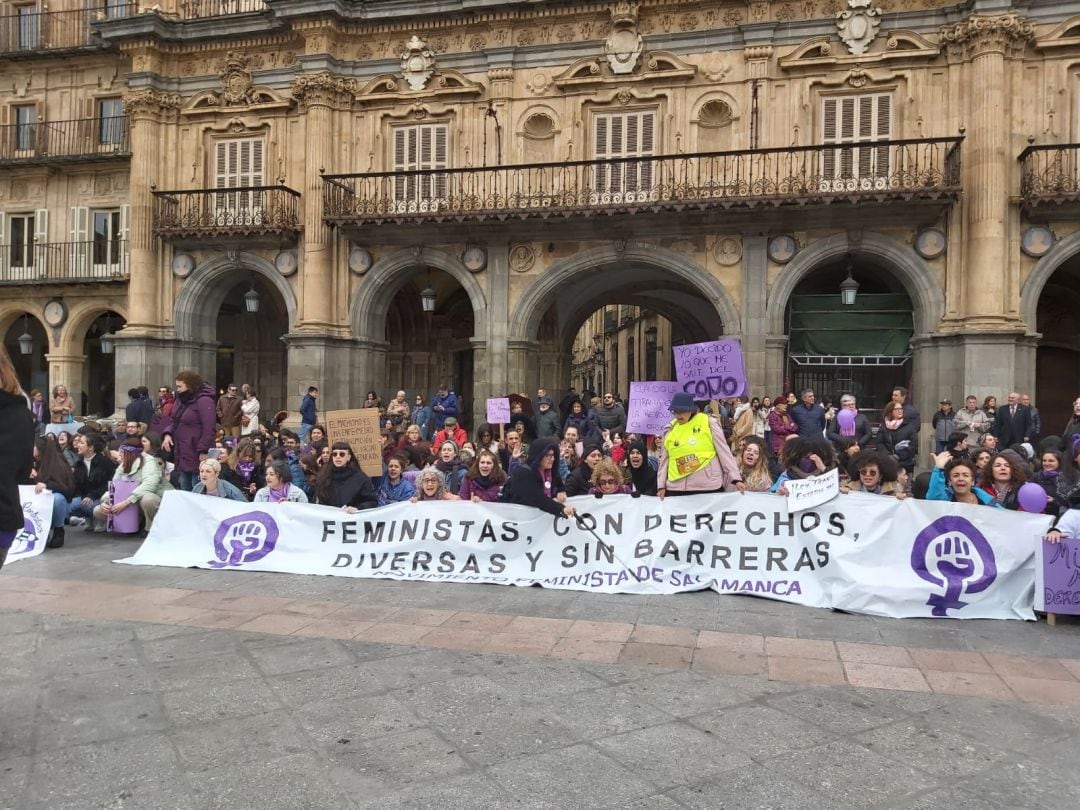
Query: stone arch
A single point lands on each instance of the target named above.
(1040, 275)
(14, 312)
(927, 297)
(196, 310)
(375, 293)
(81, 315)
(530, 309)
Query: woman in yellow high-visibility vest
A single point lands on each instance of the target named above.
(694, 455)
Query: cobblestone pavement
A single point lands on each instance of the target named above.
(131, 687)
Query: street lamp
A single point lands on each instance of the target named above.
(650, 338)
(848, 289)
(427, 299)
(251, 299)
(107, 342)
(26, 342)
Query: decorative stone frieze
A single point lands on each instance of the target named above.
(624, 44)
(236, 81)
(417, 63)
(323, 90)
(1005, 33)
(150, 104)
(858, 25)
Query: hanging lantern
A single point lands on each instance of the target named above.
(427, 299)
(26, 343)
(849, 287)
(251, 300)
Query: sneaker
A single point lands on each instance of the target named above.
(76, 521)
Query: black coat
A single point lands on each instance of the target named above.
(93, 484)
(350, 487)
(524, 487)
(863, 433)
(1010, 429)
(17, 439)
(579, 481)
(902, 443)
(140, 410)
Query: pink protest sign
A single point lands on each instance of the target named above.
(1061, 576)
(649, 403)
(712, 370)
(498, 411)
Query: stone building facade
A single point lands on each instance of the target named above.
(448, 192)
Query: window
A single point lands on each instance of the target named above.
(110, 122)
(115, 9)
(855, 120)
(624, 135)
(25, 127)
(421, 148)
(29, 22)
(238, 163)
(21, 240)
(106, 241)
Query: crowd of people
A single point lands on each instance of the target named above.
(191, 438)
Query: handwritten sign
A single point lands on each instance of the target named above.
(66, 427)
(806, 493)
(712, 370)
(649, 402)
(360, 428)
(498, 411)
(1061, 576)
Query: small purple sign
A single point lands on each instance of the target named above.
(712, 370)
(1061, 576)
(649, 402)
(498, 411)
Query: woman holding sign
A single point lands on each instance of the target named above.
(694, 456)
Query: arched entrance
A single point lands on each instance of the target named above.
(1057, 358)
(590, 318)
(32, 367)
(236, 312)
(99, 394)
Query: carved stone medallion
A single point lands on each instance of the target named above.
(417, 63)
(624, 44)
(858, 25)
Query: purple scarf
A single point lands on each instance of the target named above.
(246, 470)
(277, 496)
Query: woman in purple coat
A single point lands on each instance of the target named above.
(191, 434)
(484, 480)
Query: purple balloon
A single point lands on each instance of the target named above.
(845, 418)
(1032, 498)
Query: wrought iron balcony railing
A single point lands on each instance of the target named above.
(64, 141)
(30, 30)
(926, 168)
(201, 9)
(247, 211)
(41, 263)
(1050, 174)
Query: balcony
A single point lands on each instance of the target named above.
(881, 171)
(1050, 177)
(251, 211)
(202, 9)
(82, 140)
(64, 262)
(30, 32)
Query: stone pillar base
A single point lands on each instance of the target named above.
(330, 363)
(153, 361)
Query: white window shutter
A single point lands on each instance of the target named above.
(41, 226)
(80, 235)
(3, 228)
(125, 229)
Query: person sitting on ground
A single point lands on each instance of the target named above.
(449, 463)
(431, 486)
(484, 480)
(342, 484)
(580, 479)
(279, 487)
(537, 483)
(412, 438)
(641, 469)
(244, 468)
(451, 431)
(92, 474)
(51, 472)
(1003, 478)
(875, 473)
(1056, 477)
(803, 458)
(395, 488)
(754, 465)
(211, 483)
(607, 479)
(135, 466)
(954, 480)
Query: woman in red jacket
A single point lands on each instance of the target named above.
(781, 425)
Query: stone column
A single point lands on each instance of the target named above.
(496, 356)
(984, 42)
(66, 370)
(148, 110)
(754, 314)
(319, 96)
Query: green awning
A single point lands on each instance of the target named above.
(876, 324)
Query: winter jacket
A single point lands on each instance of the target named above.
(350, 487)
(902, 443)
(389, 493)
(579, 480)
(587, 428)
(93, 483)
(458, 436)
(780, 427)
(17, 439)
(939, 490)
(229, 410)
(421, 417)
(944, 424)
(611, 418)
(194, 419)
(811, 421)
(1072, 428)
(547, 422)
(140, 409)
(449, 405)
(474, 487)
(309, 412)
(147, 472)
(224, 490)
(60, 409)
(974, 423)
(863, 434)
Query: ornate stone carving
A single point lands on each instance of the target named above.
(236, 81)
(858, 78)
(148, 103)
(786, 13)
(323, 90)
(858, 25)
(417, 63)
(758, 10)
(624, 44)
(624, 96)
(732, 17)
(975, 35)
(727, 250)
(538, 83)
(522, 258)
(715, 68)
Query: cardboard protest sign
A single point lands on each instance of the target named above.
(810, 492)
(360, 428)
(712, 370)
(1061, 576)
(498, 411)
(649, 402)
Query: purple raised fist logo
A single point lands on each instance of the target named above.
(952, 554)
(26, 540)
(244, 539)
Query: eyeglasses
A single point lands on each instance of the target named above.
(608, 482)
(340, 453)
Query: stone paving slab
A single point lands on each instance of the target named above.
(192, 689)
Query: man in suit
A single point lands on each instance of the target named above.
(1012, 425)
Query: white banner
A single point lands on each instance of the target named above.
(860, 553)
(37, 520)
